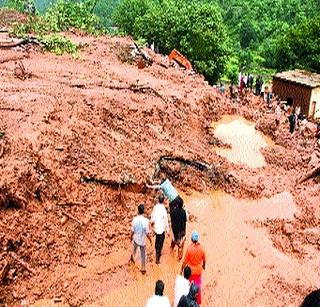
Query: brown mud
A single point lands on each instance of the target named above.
(76, 152)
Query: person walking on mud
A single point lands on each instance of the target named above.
(182, 285)
(190, 300)
(278, 113)
(195, 258)
(158, 300)
(140, 230)
(159, 220)
(178, 224)
(231, 91)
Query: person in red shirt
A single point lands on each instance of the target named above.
(195, 258)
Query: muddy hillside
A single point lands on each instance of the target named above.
(80, 137)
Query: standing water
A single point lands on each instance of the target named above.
(244, 139)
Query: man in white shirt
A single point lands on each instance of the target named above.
(158, 300)
(182, 285)
(159, 220)
(140, 230)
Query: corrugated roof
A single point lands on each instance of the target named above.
(301, 77)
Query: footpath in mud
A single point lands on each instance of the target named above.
(81, 137)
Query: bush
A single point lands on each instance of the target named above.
(58, 44)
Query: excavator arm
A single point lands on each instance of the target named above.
(182, 60)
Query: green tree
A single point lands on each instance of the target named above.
(104, 10)
(194, 28)
(300, 47)
(128, 11)
(18, 5)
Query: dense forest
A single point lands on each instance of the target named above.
(219, 37)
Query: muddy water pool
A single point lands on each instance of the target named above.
(244, 139)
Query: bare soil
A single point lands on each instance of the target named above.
(81, 137)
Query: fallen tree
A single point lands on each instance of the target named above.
(202, 166)
(20, 42)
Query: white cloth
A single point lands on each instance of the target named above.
(181, 287)
(158, 301)
(140, 228)
(159, 217)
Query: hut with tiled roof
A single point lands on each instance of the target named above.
(300, 89)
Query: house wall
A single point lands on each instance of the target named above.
(315, 96)
(300, 94)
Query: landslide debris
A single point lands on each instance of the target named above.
(82, 136)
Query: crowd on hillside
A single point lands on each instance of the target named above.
(283, 110)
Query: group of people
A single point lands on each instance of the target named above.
(187, 291)
(246, 83)
(297, 120)
(188, 284)
(264, 90)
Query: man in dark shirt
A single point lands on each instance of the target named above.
(190, 300)
(292, 122)
(178, 224)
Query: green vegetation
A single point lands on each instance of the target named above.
(58, 44)
(55, 43)
(194, 28)
(17, 5)
(104, 10)
(219, 37)
(300, 46)
(255, 36)
(61, 16)
(258, 30)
